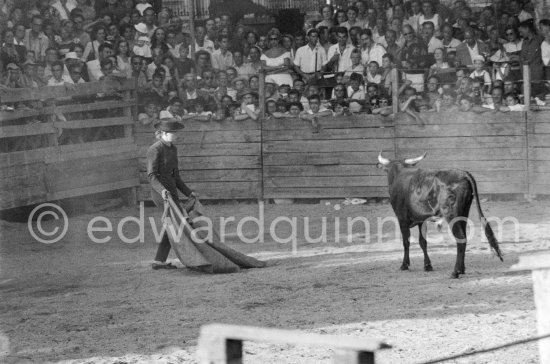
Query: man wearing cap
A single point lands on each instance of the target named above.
(309, 59)
(163, 175)
(248, 109)
(13, 80)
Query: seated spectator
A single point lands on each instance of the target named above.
(447, 102)
(356, 66)
(143, 47)
(248, 108)
(342, 109)
(198, 111)
(294, 110)
(58, 77)
(512, 103)
(222, 58)
(94, 68)
(356, 93)
(432, 91)
(471, 48)
(480, 73)
(174, 110)
(372, 74)
(270, 107)
(75, 72)
(315, 112)
(439, 62)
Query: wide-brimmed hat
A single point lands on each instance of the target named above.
(71, 55)
(239, 78)
(141, 27)
(247, 91)
(168, 124)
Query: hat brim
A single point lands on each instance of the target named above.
(168, 125)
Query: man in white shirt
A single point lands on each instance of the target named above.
(310, 58)
(339, 54)
(222, 58)
(64, 7)
(370, 51)
(94, 68)
(201, 43)
(428, 35)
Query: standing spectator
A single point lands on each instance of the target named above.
(201, 43)
(449, 41)
(99, 36)
(158, 40)
(310, 58)
(338, 57)
(222, 58)
(19, 40)
(516, 6)
(352, 19)
(78, 30)
(276, 61)
(327, 11)
(122, 52)
(64, 7)
(428, 35)
(545, 47)
(243, 69)
(36, 40)
(429, 15)
(414, 15)
(94, 68)
(470, 48)
(149, 21)
(370, 51)
(531, 53)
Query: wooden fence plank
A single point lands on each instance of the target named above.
(81, 191)
(330, 134)
(28, 129)
(470, 142)
(56, 92)
(452, 130)
(306, 146)
(216, 175)
(325, 192)
(93, 123)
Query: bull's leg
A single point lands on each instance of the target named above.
(459, 232)
(422, 233)
(405, 233)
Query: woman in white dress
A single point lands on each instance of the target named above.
(276, 61)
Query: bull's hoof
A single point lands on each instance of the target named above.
(454, 275)
(404, 267)
(428, 268)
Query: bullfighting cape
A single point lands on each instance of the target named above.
(193, 245)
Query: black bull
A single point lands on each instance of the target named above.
(418, 196)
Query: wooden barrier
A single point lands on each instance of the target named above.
(81, 145)
(338, 161)
(538, 150)
(223, 344)
(491, 146)
(220, 160)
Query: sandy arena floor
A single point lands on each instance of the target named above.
(76, 301)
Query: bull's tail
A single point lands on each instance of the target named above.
(488, 230)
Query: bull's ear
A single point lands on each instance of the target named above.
(413, 161)
(382, 166)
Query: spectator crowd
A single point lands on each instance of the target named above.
(447, 56)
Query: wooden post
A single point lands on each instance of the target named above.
(262, 117)
(395, 90)
(192, 27)
(526, 87)
(540, 266)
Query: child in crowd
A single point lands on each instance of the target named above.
(372, 74)
(512, 103)
(143, 47)
(356, 93)
(480, 73)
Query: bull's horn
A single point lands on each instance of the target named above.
(382, 160)
(413, 161)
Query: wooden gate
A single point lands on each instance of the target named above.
(62, 142)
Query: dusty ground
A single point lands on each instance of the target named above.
(77, 301)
